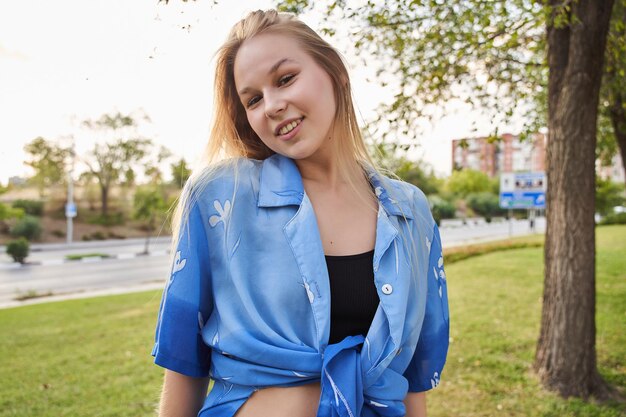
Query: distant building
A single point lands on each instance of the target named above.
(17, 181)
(507, 154)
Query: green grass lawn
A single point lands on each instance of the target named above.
(91, 357)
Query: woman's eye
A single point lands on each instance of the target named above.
(284, 80)
(253, 101)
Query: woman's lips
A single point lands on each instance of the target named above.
(293, 132)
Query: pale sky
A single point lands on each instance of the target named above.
(65, 61)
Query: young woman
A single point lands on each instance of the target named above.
(304, 282)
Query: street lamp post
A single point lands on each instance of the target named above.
(70, 207)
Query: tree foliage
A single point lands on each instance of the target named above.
(113, 162)
(490, 54)
(10, 213)
(149, 207)
(487, 53)
(608, 195)
(47, 160)
(180, 172)
(468, 181)
(612, 119)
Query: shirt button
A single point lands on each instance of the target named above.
(387, 289)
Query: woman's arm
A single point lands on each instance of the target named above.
(182, 395)
(415, 403)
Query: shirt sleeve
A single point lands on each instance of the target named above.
(425, 368)
(186, 304)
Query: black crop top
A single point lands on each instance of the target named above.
(353, 296)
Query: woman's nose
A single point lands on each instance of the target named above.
(274, 105)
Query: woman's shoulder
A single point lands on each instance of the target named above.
(224, 177)
(407, 193)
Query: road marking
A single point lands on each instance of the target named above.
(48, 262)
(90, 259)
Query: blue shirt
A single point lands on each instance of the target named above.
(248, 300)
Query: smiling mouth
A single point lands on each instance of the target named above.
(291, 126)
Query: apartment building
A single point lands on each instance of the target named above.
(506, 154)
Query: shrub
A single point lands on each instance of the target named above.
(7, 212)
(18, 249)
(441, 209)
(58, 233)
(614, 218)
(32, 207)
(28, 227)
(113, 219)
(98, 235)
(485, 204)
(113, 235)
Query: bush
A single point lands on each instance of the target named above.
(113, 235)
(441, 208)
(29, 227)
(614, 218)
(97, 235)
(114, 219)
(18, 249)
(32, 207)
(7, 212)
(485, 204)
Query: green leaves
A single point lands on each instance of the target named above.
(465, 182)
(441, 51)
(47, 159)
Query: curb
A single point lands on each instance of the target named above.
(87, 259)
(84, 294)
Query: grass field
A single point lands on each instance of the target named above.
(91, 357)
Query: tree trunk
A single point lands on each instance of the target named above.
(104, 194)
(566, 355)
(146, 248)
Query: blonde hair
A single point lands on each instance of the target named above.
(232, 136)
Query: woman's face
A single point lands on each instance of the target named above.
(288, 97)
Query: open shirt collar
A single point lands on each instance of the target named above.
(281, 185)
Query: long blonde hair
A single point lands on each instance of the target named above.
(232, 136)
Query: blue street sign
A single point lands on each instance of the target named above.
(70, 210)
(523, 190)
(525, 200)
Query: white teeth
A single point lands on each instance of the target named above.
(286, 129)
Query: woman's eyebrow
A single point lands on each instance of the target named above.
(272, 70)
(278, 64)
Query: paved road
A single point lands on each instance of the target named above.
(471, 233)
(126, 271)
(54, 253)
(83, 278)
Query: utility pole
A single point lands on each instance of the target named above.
(70, 207)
